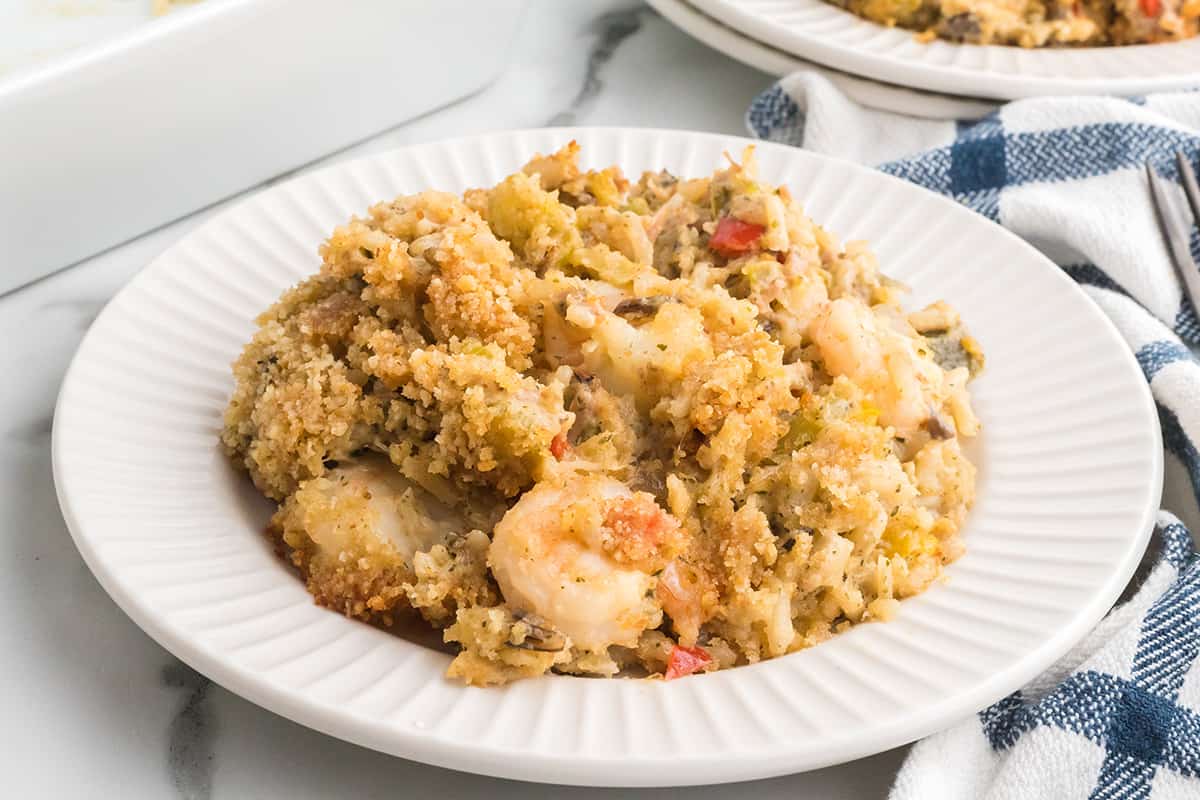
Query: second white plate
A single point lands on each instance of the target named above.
(1070, 468)
(818, 31)
(872, 94)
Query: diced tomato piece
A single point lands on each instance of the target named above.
(639, 530)
(734, 237)
(686, 660)
(559, 446)
(1151, 8)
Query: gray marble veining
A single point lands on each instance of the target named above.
(610, 29)
(83, 310)
(92, 706)
(191, 733)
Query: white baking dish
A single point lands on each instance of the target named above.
(106, 141)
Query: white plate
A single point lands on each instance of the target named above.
(818, 31)
(1070, 475)
(872, 94)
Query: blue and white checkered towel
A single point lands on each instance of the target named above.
(1119, 717)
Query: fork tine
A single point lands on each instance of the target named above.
(1168, 221)
(1176, 229)
(1190, 188)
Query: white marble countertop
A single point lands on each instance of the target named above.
(92, 706)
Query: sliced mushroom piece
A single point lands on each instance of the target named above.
(939, 427)
(664, 253)
(637, 309)
(953, 349)
(531, 632)
(962, 27)
(580, 399)
(581, 200)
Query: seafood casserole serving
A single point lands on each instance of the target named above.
(1037, 23)
(591, 426)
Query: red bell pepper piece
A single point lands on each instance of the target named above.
(686, 660)
(734, 237)
(559, 446)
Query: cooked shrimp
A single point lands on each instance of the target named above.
(641, 361)
(883, 361)
(355, 533)
(399, 516)
(581, 555)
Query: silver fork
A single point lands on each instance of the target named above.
(1176, 223)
